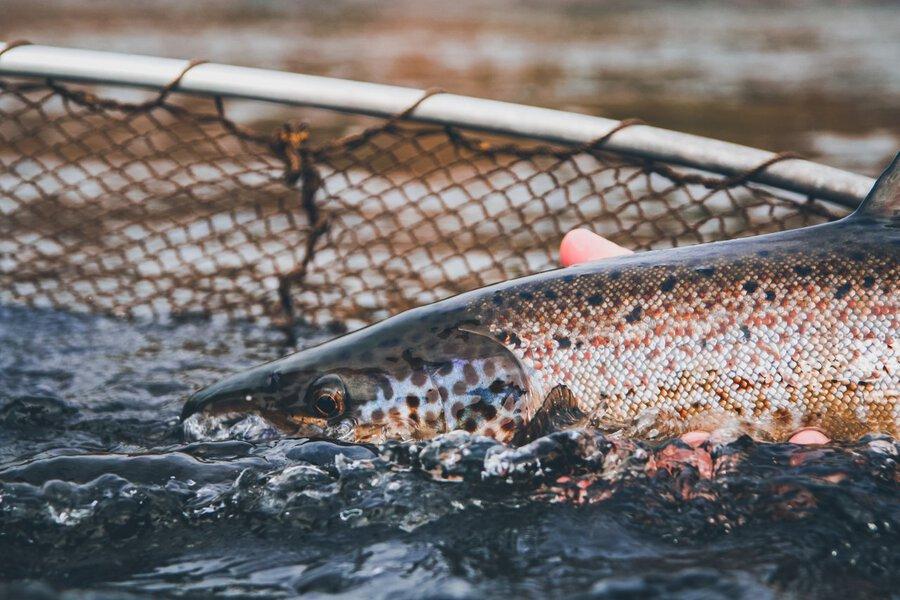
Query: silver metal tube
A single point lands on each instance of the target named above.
(644, 141)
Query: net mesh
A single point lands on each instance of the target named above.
(160, 210)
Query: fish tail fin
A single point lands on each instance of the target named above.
(883, 202)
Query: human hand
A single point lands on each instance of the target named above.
(580, 245)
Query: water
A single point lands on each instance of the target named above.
(100, 496)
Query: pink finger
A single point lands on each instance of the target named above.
(694, 438)
(581, 245)
(809, 436)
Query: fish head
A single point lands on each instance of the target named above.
(405, 378)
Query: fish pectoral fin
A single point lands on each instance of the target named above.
(559, 411)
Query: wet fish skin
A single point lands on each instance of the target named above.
(773, 332)
(768, 333)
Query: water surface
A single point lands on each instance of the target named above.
(100, 495)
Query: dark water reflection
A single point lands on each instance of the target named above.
(100, 496)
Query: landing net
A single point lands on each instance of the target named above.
(167, 208)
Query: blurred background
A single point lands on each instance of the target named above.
(822, 79)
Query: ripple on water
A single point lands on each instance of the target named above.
(100, 494)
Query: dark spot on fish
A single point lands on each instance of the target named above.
(456, 409)
(273, 381)
(412, 401)
(803, 270)
(856, 255)
(783, 416)
(763, 253)
(868, 282)
(746, 331)
(595, 299)
(568, 278)
(386, 388)
(445, 368)
(497, 299)
(706, 271)
(668, 284)
(414, 362)
(444, 393)
(508, 425)
(419, 378)
(508, 337)
(470, 425)
(770, 295)
(528, 296)
(490, 432)
(459, 388)
(470, 374)
(414, 417)
(488, 368)
(497, 386)
(579, 344)
(615, 274)
(551, 295)
(487, 410)
(634, 315)
(750, 286)
(377, 415)
(387, 342)
(842, 290)
(432, 396)
(563, 342)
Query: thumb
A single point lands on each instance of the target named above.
(581, 245)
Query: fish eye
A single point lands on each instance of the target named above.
(327, 397)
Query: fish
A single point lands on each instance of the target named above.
(763, 334)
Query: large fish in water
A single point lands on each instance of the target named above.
(768, 333)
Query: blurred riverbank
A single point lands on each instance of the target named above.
(818, 79)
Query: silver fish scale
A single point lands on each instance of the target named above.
(769, 334)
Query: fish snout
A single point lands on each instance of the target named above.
(237, 393)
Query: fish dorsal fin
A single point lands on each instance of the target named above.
(883, 202)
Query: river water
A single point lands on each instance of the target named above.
(101, 497)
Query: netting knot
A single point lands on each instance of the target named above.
(288, 144)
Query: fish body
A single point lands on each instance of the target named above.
(769, 333)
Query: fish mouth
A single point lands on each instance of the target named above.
(236, 420)
(236, 393)
(236, 408)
